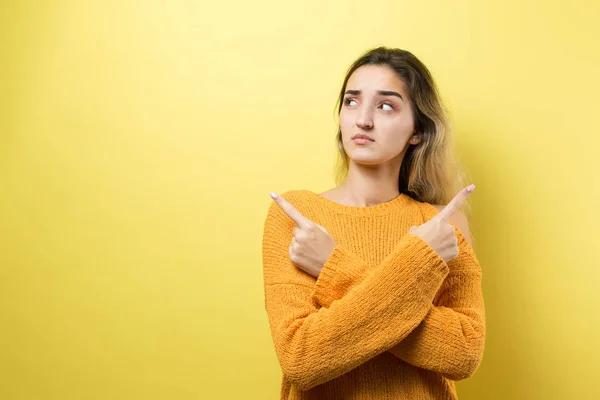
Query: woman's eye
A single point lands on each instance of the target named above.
(349, 103)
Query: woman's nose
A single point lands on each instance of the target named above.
(364, 122)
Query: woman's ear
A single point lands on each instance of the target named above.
(415, 139)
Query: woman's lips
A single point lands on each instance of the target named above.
(360, 140)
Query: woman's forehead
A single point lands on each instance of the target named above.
(371, 78)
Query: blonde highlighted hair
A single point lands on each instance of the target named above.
(430, 171)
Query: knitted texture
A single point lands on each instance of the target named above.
(387, 318)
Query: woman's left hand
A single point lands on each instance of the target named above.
(311, 245)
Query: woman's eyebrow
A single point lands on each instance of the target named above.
(380, 92)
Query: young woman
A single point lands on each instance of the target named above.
(372, 288)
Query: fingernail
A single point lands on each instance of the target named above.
(471, 188)
(274, 195)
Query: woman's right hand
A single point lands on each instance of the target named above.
(438, 233)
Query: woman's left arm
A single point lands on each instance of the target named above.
(450, 339)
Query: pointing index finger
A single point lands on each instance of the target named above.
(455, 204)
(291, 211)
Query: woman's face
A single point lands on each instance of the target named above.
(376, 104)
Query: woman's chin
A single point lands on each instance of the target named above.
(365, 159)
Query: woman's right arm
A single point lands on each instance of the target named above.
(315, 345)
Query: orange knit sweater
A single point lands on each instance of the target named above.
(387, 318)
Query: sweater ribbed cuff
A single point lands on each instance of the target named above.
(341, 271)
(416, 251)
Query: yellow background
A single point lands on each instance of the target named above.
(139, 142)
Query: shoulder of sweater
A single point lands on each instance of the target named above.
(296, 197)
(428, 210)
(293, 194)
(302, 200)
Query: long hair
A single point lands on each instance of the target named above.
(430, 171)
